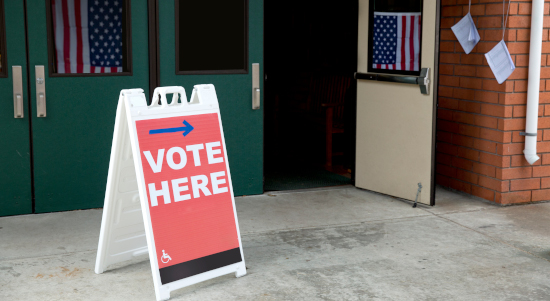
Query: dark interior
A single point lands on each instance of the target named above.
(217, 46)
(310, 59)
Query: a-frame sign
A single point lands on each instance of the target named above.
(169, 190)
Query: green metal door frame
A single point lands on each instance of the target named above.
(243, 126)
(71, 145)
(66, 154)
(15, 153)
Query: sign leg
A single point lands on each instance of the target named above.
(241, 270)
(163, 294)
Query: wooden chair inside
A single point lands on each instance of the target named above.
(326, 102)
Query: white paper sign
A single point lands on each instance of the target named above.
(500, 61)
(466, 33)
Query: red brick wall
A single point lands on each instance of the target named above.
(479, 149)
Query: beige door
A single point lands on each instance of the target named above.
(395, 121)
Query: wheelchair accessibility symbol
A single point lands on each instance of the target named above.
(165, 258)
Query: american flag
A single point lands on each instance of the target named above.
(88, 35)
(396, 41)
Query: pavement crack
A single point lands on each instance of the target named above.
(486, 235)
(47, 256)
(339, 225)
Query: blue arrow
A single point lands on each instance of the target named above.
(185, 129)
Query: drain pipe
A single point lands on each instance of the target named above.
(537, 15)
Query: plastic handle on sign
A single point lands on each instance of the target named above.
(162, 91)
(171, 89)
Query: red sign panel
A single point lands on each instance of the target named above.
(189, 194)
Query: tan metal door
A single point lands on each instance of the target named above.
(395, 121)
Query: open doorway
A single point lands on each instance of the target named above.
(310, 93)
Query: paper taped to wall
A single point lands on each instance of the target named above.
(466, 33)
(500, 61)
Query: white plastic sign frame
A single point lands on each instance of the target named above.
(125, 233)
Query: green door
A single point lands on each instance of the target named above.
(216, 42)
(15, 155)
(88, 50)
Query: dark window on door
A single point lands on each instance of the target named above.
(3, 61)
(211, 37)
(89, 37)
(395, 36)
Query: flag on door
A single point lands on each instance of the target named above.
(396, 41)
(88, 35)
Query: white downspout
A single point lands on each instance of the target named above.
(535, 50)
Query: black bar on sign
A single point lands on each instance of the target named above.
(199, 265)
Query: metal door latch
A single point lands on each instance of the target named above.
(423, 80)
(17, 92)
(40, 91)
(256, 86)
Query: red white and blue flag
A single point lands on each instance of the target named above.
(88, 35)
(396, 41)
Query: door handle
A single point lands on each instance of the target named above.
(40, 91)
(17, 92)
(255, 86)
(423, 81)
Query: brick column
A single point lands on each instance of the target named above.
(479, 149)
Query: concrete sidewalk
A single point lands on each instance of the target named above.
(329, 244)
